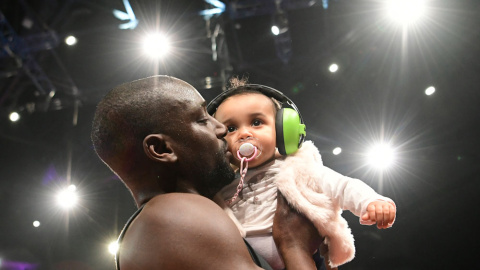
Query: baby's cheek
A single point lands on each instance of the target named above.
(229, 146)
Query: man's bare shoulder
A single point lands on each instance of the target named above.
(180, 231)
(173, 202)
(167, 214)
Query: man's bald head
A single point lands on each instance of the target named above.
(131, 111)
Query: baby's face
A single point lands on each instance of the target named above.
(249, 117)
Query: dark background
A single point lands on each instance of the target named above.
(378, 94)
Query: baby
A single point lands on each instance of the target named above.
(249, 113)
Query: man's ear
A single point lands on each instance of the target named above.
(157, 147)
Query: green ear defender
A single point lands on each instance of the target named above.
(290, 131)
(289, 126)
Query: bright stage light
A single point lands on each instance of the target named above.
(406, 11)
(156, 45)
(429, 91)
(337, 151)
(36, 224)
(275, 30)
(68, 198)
(14, 116)
(71, 40)
(333, 68)
(113, 247)
(381, 156)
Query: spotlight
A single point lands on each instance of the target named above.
(68, 198)
(275, 30)
(156, 45)
(14, 116)
(333, 68)
(279, 23)
(208, 82)
(406, 11)
(429, 91)
(36, 224)
(381, 156)
(113, 247)
(337, 151)
(71, 40)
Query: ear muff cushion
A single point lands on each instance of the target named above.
(290, 134)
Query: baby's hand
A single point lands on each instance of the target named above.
(380, 212)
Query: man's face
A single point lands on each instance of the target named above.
(249, 117)
(201, 146)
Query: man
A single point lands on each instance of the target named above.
(157, 136)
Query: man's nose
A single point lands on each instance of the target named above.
(220, 129)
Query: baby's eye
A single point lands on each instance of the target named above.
(231, 128)
(256, 122)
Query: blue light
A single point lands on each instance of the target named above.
(325, 4)
(210, 12)
(216, 4)
(123, 16)
(219, 8)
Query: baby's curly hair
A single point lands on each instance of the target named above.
(236, 82)
(241, 87)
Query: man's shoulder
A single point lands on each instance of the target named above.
(176, 203)
(169, 211)
(172, 227)
(174, 196)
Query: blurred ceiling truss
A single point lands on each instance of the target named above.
(21, 54)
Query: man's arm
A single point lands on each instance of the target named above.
(183, 231)
(295, 236)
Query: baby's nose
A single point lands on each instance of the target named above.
(245, 133)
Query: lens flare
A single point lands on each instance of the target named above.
(381, 156)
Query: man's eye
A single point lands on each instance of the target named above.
(256, 122)
(231, 129)
(203, 121)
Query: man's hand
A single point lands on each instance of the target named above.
(295, 236)
(380, 212)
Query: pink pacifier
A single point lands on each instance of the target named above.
(246, 150)
(245, 153)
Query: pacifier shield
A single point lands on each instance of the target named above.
(246, 149)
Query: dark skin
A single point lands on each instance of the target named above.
(300, 249)
(204, 237)
(292, 249)
(180, 226)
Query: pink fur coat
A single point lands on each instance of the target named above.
(320, 194)
(298, 180)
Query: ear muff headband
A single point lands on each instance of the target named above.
(289, 125)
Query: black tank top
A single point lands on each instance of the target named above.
(255, 257)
